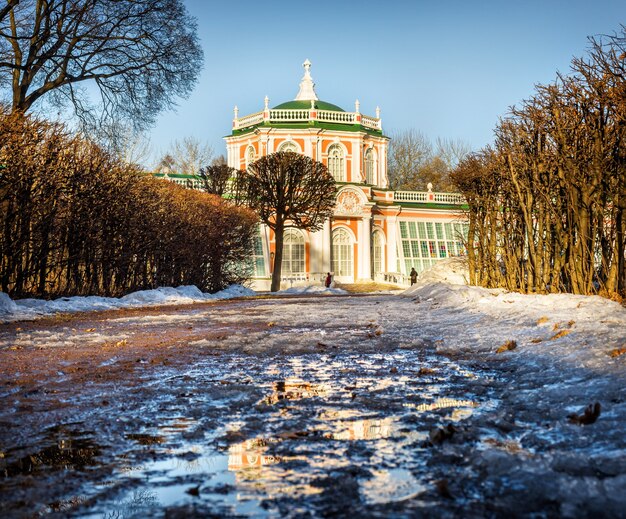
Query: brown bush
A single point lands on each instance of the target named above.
(74, 221)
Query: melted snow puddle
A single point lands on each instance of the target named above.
(389, 486)
(64, 450)
(321, 415)
(236, 481)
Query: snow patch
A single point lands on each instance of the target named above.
(26, 309)
(6, 305)
(451, 271)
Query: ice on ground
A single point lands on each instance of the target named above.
(313, 289)
(26, 309)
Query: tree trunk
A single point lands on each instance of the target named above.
(279, 231)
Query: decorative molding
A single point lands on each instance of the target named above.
(350, 202)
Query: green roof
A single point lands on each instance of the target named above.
(306, 105)
(310, 124)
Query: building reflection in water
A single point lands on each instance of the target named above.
(294, 389)
(442, 403)
(368, 429)
(250, 454)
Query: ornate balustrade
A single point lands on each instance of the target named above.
(249, 120)
(410, 196)
(371, 122)
(288, 115)
(449, 198)
(300, 115)
(336, 117)
(429, 197)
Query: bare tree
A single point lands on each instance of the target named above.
(452, 151)
(408, 152)
(287, 188)
(414, 163)
(547, 203)
(217, 177)
(139, 55)
(188, 155)
(124, 142)
(6, 9)
(165, 164)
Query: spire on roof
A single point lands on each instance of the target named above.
(307, 87)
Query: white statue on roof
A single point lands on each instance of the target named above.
(307, 87)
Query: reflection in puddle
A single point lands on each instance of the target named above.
(389, 486)
(294, 389)
(458, 415)
(250, 454)
(370, 429)
(66, 454)
(442, 403)
(296, 423)
(146, 439)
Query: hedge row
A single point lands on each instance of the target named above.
(75, 221)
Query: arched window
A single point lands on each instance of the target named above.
(336, 163)
(370, 166)
(250, 155)
(342, 253)
(293, 252)
(377, 252)
(288, 146)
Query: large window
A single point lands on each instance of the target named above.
(293, 253)
(370, 166)
(377, 252)
(336, 163)
(250, 155)
(257, 257)
(288, 146)
(342, 253)
(423, 243)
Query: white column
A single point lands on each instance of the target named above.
(325, 264)
(316, 253)
(392, 244)
(365, 268)
(383, 166)
(229, 154)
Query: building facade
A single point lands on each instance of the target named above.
(375, 233)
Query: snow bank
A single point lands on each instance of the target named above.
(452, 271)
(6, 305)
(24, 309)
(445, 285)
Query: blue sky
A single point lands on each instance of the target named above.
(446, 68)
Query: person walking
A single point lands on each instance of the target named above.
(413, 276)
(328, 281)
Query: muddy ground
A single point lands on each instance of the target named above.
(296, 407)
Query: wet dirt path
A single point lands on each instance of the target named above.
(266, 407)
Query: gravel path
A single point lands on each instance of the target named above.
(302, 406)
